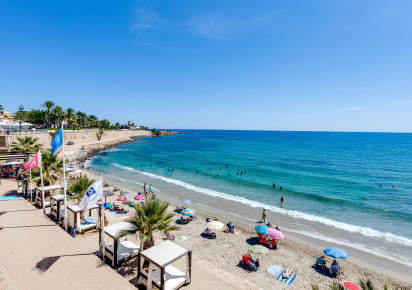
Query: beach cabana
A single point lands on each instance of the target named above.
(160, 273)
(75, 220)
(119, 252)
(48, 190)
(56, 204)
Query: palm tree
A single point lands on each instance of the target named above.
(26, 145)
(366, 284)
(49, 105)
(78, 188)
(150, 218)
(59, 115)
(69, 115)
(81, 118)
(52, 168)
(93, 119)
(20, 116)
(1, 109)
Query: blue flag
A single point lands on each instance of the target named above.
(57, 141)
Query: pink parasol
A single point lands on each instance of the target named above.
(350, 285)
(139, 197)
(274, 233)
(121, 198)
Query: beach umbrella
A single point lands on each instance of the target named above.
(276, 234)
(139, 197)
(186, 202)
(350, 285)
(106, 194)
(258, 249)
(188, 212)
(262, 229)
(336, 253)
(215, 225)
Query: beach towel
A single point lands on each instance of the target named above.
(9, 197)
(181, 239)
(288, 280)
(274, 269)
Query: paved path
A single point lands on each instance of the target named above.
(37, 254)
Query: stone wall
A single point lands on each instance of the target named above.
(78, 137)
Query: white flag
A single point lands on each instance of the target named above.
(92, 195)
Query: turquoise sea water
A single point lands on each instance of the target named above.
(329, 178)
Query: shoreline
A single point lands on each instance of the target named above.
(370, 265)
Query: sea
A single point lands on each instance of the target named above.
(347, 188)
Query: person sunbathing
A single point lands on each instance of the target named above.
(287, 274)
(207, 231)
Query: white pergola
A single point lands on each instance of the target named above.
(160, 273)
(123, 251)
(74, 220)
(47, 189)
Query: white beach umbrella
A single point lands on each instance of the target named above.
(215, 225)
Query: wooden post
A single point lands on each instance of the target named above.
(190, 267)
(138, 269)
(162, 278)
(115, 253)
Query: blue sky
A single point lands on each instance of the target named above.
(272, 65)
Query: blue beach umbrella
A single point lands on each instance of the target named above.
(262, 229)
(188, 212)
(186, 202)
(336, 253)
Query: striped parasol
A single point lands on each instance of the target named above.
(188, 212)
(258, 249)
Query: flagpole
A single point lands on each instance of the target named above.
(102, 222)
(31, 194)
(64, 182)
(42, 183)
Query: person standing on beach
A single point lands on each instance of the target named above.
(264, 215)
(150, 189)
(281, 201)
(144, 188)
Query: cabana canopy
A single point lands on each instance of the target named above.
(166, 276)
(38, 194)
(123, 251)
(74, 218)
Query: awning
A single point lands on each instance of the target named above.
(12, 156)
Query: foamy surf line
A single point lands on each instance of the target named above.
(336, 224)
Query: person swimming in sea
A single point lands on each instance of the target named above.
(281, 201)
(197, 170)
(274, 185)
(229, 175)
(217, 174)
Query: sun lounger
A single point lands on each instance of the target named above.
(125, 250)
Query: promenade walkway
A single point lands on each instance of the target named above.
(37, 254)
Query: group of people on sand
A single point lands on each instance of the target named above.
(334, 268)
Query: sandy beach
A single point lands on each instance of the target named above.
(223, 254)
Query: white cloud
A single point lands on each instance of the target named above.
(350, 109)
(144, 19)
(224, 26)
